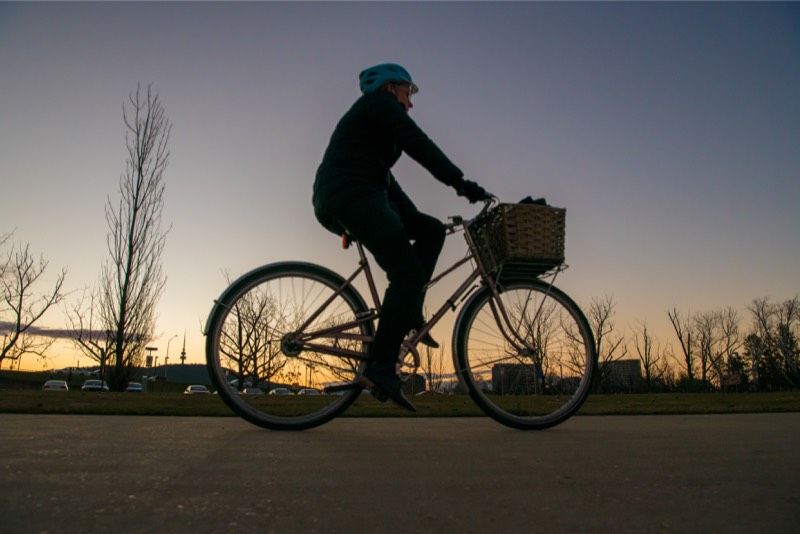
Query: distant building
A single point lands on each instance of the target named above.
(513, 379)
(415, 384)
(625, 375)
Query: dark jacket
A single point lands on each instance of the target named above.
(367, 142)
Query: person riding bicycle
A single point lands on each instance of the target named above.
(356, 193)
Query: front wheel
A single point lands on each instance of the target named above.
(529, 362)
(268, 343)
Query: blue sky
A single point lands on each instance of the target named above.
(669, 131)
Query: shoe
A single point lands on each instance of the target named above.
(428, 340)
(383, 377)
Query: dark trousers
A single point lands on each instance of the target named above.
(386, 227)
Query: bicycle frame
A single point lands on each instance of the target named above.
(306, 338)
(513, 336)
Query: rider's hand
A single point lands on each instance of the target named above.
(472, 191)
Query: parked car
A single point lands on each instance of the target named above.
(251, 391)
(55, 385)
(280, 391)
(94, 385)
(308, 391)
(134, 387)
(197, 390)
(77, 371)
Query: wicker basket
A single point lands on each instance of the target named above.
(525, 237)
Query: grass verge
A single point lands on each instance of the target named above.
(176, 404)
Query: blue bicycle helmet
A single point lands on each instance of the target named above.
(373, 78)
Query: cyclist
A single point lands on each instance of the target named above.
(356, 193)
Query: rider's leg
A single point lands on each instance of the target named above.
(428, 234)
(400, 306)
(378, 227)
(401, 303)
(399, 312)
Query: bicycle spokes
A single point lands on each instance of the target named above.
(525, 352)
(288, 328)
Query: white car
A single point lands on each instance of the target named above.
(251, 391)
(281, 391)
(308, 391)
(134, 387)
(55, 385)
(197, 390)
(94, 385)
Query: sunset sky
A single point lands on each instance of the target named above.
(669, 131)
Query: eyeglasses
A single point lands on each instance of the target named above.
(410, 87)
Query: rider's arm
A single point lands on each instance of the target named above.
(413, 141)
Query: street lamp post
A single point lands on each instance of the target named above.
(166, 358)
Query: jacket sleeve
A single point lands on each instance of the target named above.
(413, 141)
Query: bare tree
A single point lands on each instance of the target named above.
(21, 306)
(247, 343)
(432, 364)
(788, 319)
(87, 330)
(730, 342)
(706, 329)
(544, 328)
(132, 279)
(709, 342)
(254, 348)
(683, 327)
(610, 346)
(776, 331)
(655, 365)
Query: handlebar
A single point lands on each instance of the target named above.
(488, 204)
(458, 221)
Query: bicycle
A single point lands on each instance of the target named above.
(521, 347)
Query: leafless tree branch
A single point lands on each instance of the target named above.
(20, 306)
(132, 279)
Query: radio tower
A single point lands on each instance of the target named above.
(183, 351)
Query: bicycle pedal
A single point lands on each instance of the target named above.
(379, 395)
(374, 390)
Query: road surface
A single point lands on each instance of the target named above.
(714, 473)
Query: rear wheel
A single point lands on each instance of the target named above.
(258, 359)
(541, 376)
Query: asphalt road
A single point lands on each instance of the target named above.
(716, 473)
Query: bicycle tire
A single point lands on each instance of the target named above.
(245, 341)
(525, 388)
